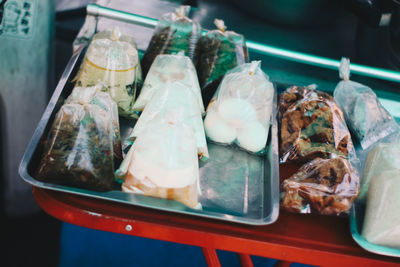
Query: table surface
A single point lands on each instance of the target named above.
(309, 239)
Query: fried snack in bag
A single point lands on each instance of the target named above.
(169, 69)
(93, 95)
(175, 96)
(163, 161)
(216, 53)
(112, 59)
(241, 109)
(78, 150)
(175, 33)
(311, 126)
(367, 119)
(323, 186)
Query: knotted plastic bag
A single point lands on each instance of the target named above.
(93, 95)
(216, 53)
(175, 96)
(240, 111)
(169, 69)
(112, 59)
(367, 119)
(174, 33)
(311, 126)
(323, 186)
(163, 161)
(78, 150)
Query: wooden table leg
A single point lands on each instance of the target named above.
(245, 260)
(211, 257)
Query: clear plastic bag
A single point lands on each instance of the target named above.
(216, 53)
(322, 186)
(175, 96)
(93, 95)
(367, 119)
(78, 150)
(174, 33)
(169, 68)
(241, 109)
(311, 126)
(163, 161)
(112, 59)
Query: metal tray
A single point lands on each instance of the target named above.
(236, 186)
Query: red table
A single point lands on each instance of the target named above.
(310, 239)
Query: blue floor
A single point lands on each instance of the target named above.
(87, 247)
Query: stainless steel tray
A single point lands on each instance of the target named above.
(235, 185)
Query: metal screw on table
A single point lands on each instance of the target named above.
(128, 227)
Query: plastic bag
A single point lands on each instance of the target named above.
(174, 33)
(323, 186)
(311, 126)
(382, 216)
(175, 96)
(216, 53)
(240, 111)
(78, 150)
(385, 156)
(169, 68)
(163, 162)
(367, 119)
(93, 95)
(112, 58)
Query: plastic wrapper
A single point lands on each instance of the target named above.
(174, 96)
(322, 186)
(94, 96)
(367, 119)
(382, 216)
(163, 162)
(384, 157)
(311, 126)
(175, 33)
(240, 111)
(216, 53)
(78, 151)
(112, 59)
(169, 69)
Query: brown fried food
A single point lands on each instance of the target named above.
(324, 186)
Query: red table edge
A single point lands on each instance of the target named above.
(147, 229)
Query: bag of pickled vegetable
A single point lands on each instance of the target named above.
(240, 111)
(78, 150)
(323, 186)
(174, 33)
(380, 188)
(175, 96)
(311, 126)
(163, 161)
(169, 68)
(93, 95)
(216, 53)
(367, 119)
(112, 59)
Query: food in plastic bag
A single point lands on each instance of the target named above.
(175, 96)
(368, 120)
(174, 33)
(385, 156)
(169, 68)
(323, 186)
(312, 125)
(93, 95)
(78, 150)
(163, 162)
(382, 216)
(216, 53)
(112, 58)
(240, 111)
